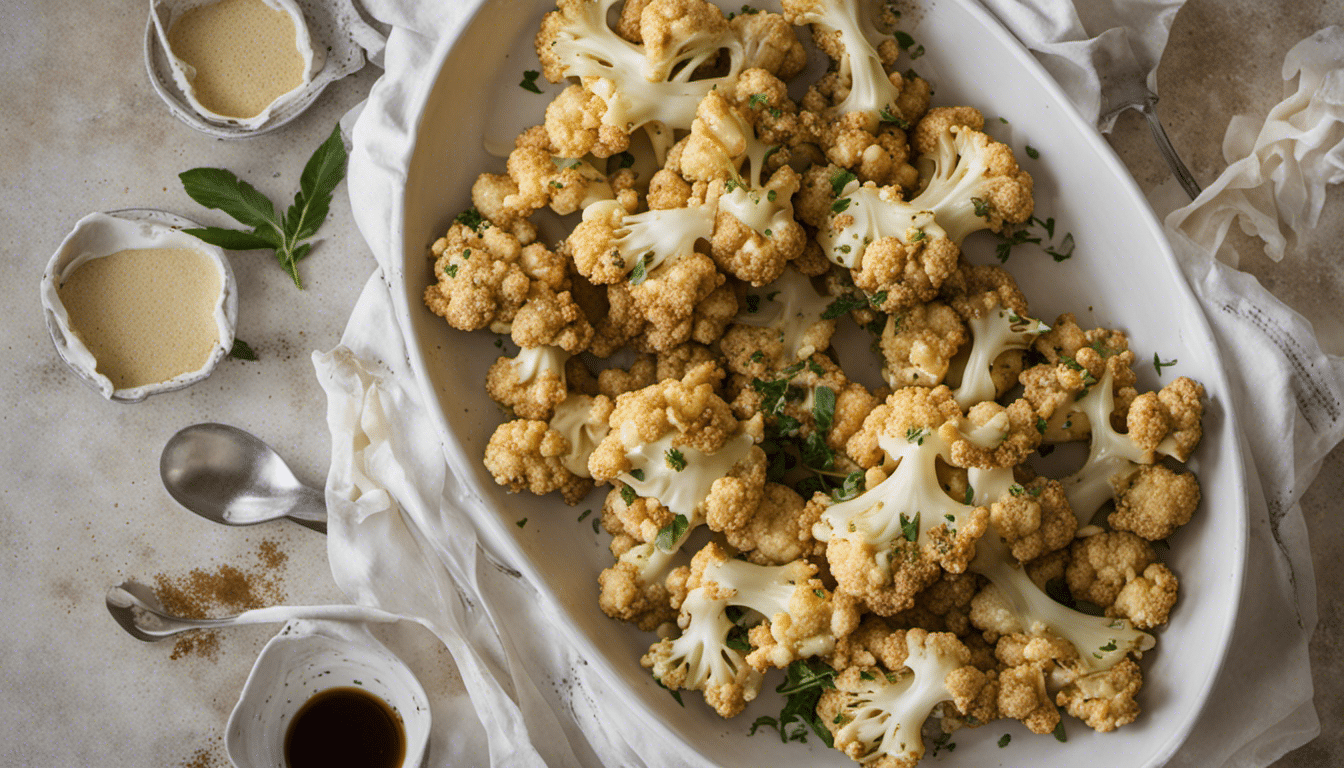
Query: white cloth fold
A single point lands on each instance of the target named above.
(401, 540)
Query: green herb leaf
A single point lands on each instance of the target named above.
(823, 408)
(641, 271)
(596, 522)
(675, 459)
(473, 219)
(753, 303)
(803, 685)
(233, 239)
(1060, 736)
(638, 474)
(220, 189)
(675, 694)
(670, 534)
(1004, 739)
(1033, 153)
(1064, 250)
(1109, 646)
(866, 675)
(628, 495)
(816, 454)
(450, 270)
(757, 356)
(981, 207)
(1158, 365)
(839, 180)
(853, 486)
(522, 522)
(916, 435)
(1016, 489)
(241, 351)
(1040, 425)
(910, 528)
(529, 82)
(586, 513)
(970, 496)
(841, 205)
(624, 160)
(887, 116)
(843, 305)
(757, 99)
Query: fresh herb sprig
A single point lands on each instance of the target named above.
(219, 189)
(1037, 232)
(803, 685)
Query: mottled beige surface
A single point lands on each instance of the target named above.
(83, 131)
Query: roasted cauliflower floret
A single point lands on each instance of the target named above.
(1104, 700)
(1034, 519)
(1155, 501)
(1147, 600)
(531, 384)
(918, 344)
(1101, 565)
(488, 277)
(526, 455)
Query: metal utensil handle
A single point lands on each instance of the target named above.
(1177, 167)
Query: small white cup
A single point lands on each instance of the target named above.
(309, 657)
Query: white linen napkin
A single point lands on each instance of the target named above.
(391, 498)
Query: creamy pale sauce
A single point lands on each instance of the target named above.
(244, 52)
(146, 314)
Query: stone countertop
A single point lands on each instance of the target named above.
(84, 132)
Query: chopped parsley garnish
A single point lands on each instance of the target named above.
(839, 180)
(803, 684)
(472, 218)
(970, 496)
(823, 408)
(522, 522)
(529, 82)
(1158, 365)
(916, 435)
(638, 474)
(843, 305)
(641, 271)
(628, 495)
(841, 205)
(1033, 153)
(1060, 736)
(624, 160)
(670, 534)
(910, 528)
(908, 44)
(242, 351)
(675, 459)
(887, 116)
(853, 486)
(753, 303)
(757, 356)
(586, 513)
(757, 99)
(771, 195)
(1004, 739)
(450, 270)
(1040, 425)
(981, 207)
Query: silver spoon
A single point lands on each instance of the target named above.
(229, 476)
(139, 612)
(1124, 86)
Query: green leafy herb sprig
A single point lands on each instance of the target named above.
(803, 684)
(220, 189)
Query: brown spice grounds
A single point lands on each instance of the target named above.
(204, 758)
(225, 590)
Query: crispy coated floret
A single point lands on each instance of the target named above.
(905, 273)
(944, 605)
(883, 157)
(1147, 600)
(640, 519)
(675, 363)
(909, 412)
(771, 43)
(1171, 416)
(623, 595)
(487, 277)
(614, 382)
(688, 406)
(619, 323)
(526, 454)
(1023, 696)
(759, 257)
(939, 120)
(1155, 501)
(993, 436)
(779, 531)
(918, 344)
(574, 125)
(1034, 519)
(1101, 565)
(1104, 700)
(531, 384)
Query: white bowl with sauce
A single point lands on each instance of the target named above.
(239, 68)
(136, 307)
(310, 660)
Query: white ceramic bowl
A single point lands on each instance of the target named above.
(102, 234)
(309, 657)
(1122, 275)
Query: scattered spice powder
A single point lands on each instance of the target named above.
(205, 758)
(225, 590)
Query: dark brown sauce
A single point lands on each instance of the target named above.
(345, 728)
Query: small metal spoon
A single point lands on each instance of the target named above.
(139, 612)
(229, 476)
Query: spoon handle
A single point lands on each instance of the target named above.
(310, 510)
